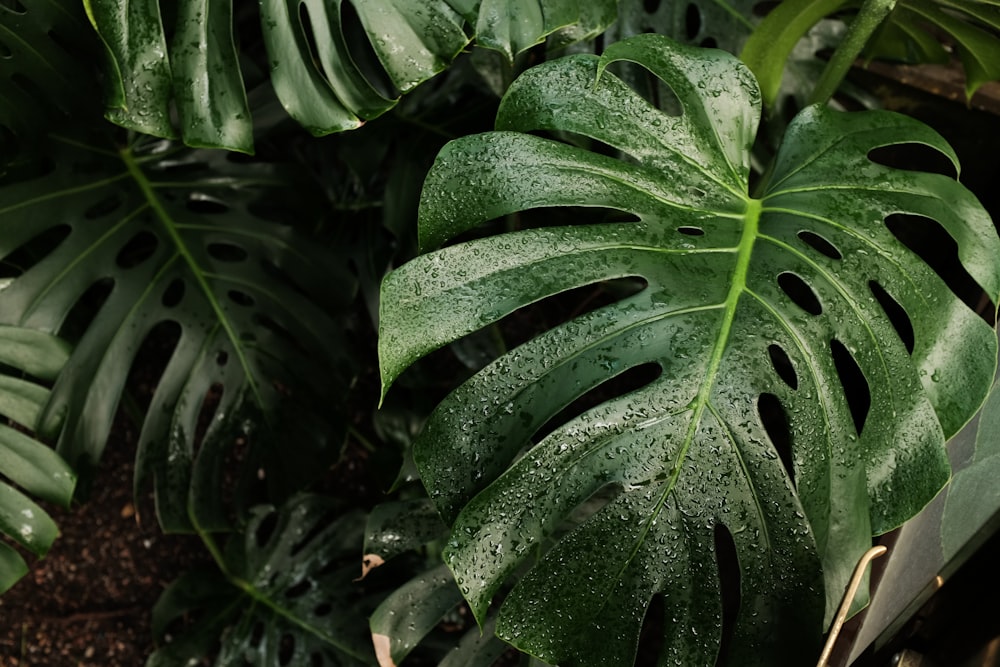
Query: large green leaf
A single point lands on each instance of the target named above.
(192, 252)
(286, 596)
(328, 78)
(29, 359)
(753, 305)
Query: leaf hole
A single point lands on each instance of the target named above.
(102, 208)
(299, 589)
(691, 231)
(774, 419)
(528, 321)
(935, 246)
(363, 53)
(853, 382)
(139, 248)
(35, 250)
(625, 382)
(13, 6)
(897, 315)
(651, 6)
(265, 529)
(240, 298)
(257, 634)
(227, 252)
(207, 415)
(9, 147)
(314, 532)
(708, 43)
(205, 205)
(593, 504)
(83, 312)
(151, 361)
(316, 660)
(783, 366)
(323, 609)
(730, 584)
(800, 293)
(692, 21)
(309, 35)
(650, 87)
(221, 358)
(174, 293)
(286, 649)
(820, 244)
(651, 633)
(913, 157)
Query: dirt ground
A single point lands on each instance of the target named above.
(88, 602)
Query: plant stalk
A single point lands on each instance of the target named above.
(864, 25)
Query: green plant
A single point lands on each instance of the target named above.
(748, 301)
(744, 310)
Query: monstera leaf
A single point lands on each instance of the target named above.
(285, 595)
(742, 465)
(29, 358)
(321, 64)
(185, 251)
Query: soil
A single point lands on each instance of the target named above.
(88, 602)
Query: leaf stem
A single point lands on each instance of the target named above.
(869, 18)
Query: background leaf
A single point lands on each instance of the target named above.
(333, 65)
(30, 361)
(46, 56)
(751, 304)
(125, 248)
(286, 595)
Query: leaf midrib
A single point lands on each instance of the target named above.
(751, 222)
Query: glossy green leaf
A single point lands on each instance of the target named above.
(771, 43)
(327, 78)
(184, 249)
(139, 87)
(12, 567)
(411, 612)
(401, 526)
(751, 305)
(24, 461)
(513, 26)
(287, 596)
